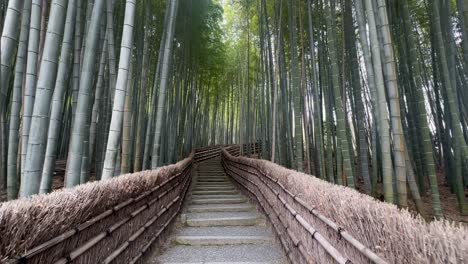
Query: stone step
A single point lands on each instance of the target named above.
(218, 182)
(215, 192)
(215, 185)
(220, 240)
(212, 177)
(213, 180)
(219, 201)
(213, 188)
(240, 207)
(226, 235)
(224, 262)
(204, 179)
(219, 196)
(245, 254)
(225, 230)
(223, 219)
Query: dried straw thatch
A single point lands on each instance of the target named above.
(26, 223)
(394, 234)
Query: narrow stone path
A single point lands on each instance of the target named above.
(219, 225)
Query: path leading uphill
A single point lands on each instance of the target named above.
(219, 225)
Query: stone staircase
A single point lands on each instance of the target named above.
(219, 225)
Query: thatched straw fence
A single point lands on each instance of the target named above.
(114, 221)
(318, 222)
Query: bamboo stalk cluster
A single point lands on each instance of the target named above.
(77, 85)
(369, 94)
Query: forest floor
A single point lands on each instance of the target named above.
(57, 183)
(447, 198)
(57, 180)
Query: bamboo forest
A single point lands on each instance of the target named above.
(234, 131)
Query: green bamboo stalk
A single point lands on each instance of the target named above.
(120, 92)
(45, 86)
(73, 173)
(341, 126)
(61, 85)
(13, 137)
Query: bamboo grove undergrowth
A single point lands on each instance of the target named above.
(369, 94)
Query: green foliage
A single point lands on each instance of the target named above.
(207, 48)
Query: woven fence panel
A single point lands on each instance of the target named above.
(113, 221)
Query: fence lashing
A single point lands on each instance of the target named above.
(341, 232)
